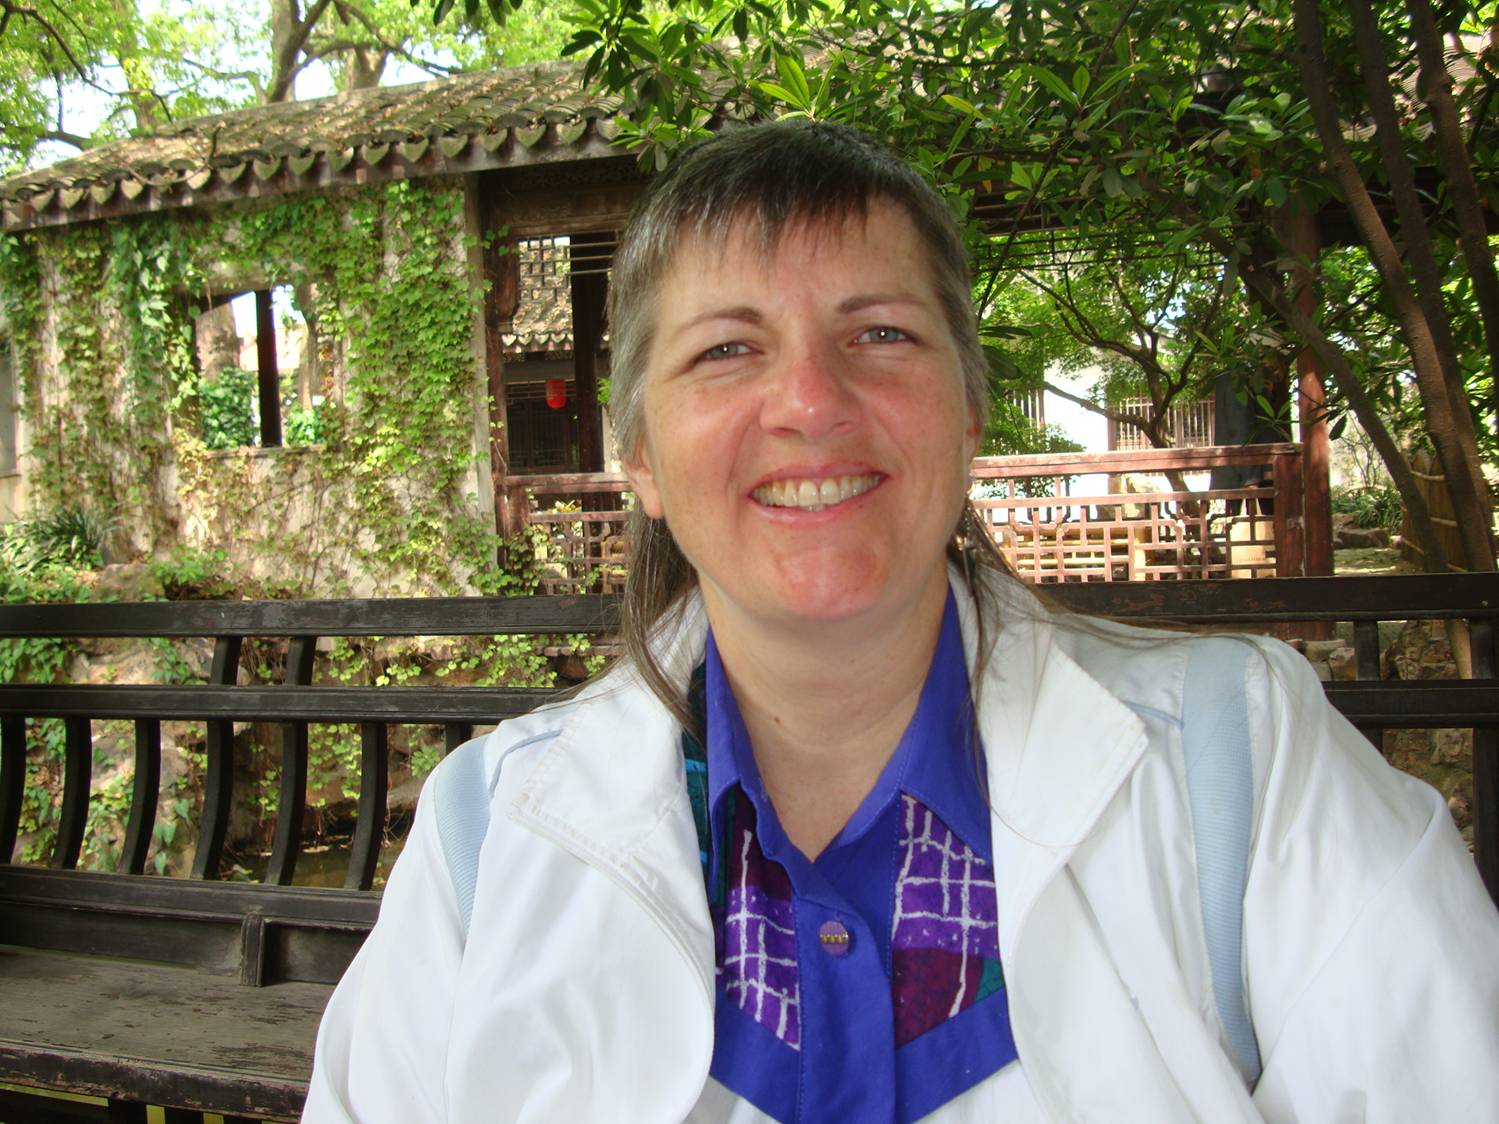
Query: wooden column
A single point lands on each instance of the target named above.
(588, 292)
(269, 381)
(501, 263)
(1299, 232)
(1290, 548)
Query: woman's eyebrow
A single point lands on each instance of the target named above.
(742, 312)
(867, 300)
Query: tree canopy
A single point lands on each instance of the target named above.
(142, 64)
(1258, 136)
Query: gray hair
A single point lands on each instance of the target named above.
(773, 175)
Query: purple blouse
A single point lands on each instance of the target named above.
(865, 984)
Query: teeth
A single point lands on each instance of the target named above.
(814, 495)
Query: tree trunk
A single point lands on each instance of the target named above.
(1334, 361)
(1457, 168)
(365, 68)
(139, 85)
(289, 32)
(1454, 441)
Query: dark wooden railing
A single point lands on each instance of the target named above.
(67, 933)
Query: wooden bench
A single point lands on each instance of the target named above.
(202, 995)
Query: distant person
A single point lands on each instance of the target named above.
(859, 830)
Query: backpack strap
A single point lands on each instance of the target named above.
(1220, 790)
(460, 790)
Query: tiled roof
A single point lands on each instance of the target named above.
(465, 123)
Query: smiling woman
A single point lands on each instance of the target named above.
(859, 829)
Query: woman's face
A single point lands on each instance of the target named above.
(806, 435)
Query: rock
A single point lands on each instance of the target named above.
(571, 668)
(1462, 811)
(1420, 651)
(1343, 663)
(1442, 758)
(126, 581)
(1320, 651)
(1360, 538)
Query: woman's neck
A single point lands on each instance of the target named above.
(826, 705)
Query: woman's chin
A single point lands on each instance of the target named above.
(848, 590)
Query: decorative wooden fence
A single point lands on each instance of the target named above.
(584, 515)
(1191, 424)
(1051, 532)
(1047, 530)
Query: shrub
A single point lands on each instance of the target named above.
(1374, 506)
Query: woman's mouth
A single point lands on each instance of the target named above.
(814, 495)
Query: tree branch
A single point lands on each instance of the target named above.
(9, 8)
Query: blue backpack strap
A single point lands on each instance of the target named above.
(1220, 790)
(460, 789)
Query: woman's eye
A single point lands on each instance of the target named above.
(882, 334)
(726, 351)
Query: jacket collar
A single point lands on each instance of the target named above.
(1059, 745)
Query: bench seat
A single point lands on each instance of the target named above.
(191, 995)
(156, 1033)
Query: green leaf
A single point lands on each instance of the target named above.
(789, 67)
(1048, 79)
(1081, 79)
(777, 91)
(960, 105)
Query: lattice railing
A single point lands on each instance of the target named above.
(1047, 530)
(585, 516)
(1050, 532)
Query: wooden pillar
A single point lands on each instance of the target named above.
(501, 267)
(589, 289)
(1289, 543)
(269, 381)
(1299, 232)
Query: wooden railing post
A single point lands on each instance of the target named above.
(1484, 642)
(292, 800)
(145, 791)
(1289, 541)
(12, 781)
(218, 790)
(78, 774)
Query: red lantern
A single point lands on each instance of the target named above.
(556, 393)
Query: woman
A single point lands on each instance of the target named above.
(772, 867)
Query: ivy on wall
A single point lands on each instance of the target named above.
(113, 405)
(101, 318)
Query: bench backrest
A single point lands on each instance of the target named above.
(276, 930)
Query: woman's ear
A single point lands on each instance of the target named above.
(971, 435)
(643, 482)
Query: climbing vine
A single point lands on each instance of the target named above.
(101, 319)
(115, 413)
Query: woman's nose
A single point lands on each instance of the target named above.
(809, 396)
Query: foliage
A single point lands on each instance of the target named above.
(228, 419)
(187, 574)
(1010, 433)
(382, 275)
(1377, 506)
(1200, 129)
(65, 537)
(149, 64)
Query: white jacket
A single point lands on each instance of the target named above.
(585, 989)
